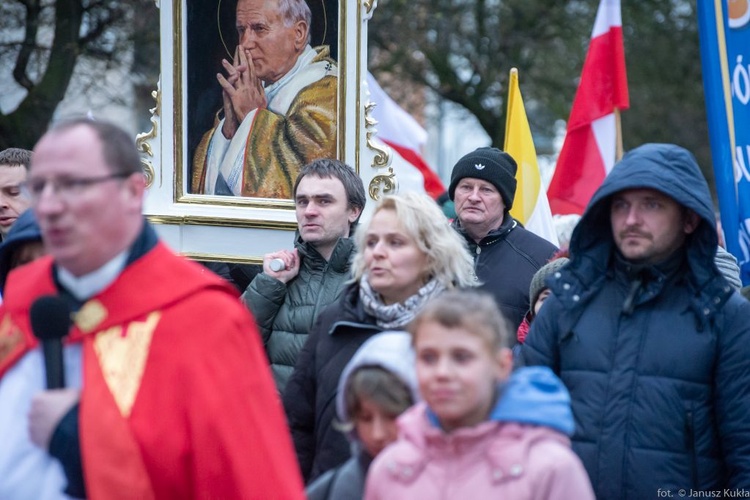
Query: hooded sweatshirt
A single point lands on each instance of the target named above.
(392, 351)
(522, 451)
(24, 230)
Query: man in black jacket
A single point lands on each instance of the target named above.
(285, 300)
(506, 255)
(650, 339)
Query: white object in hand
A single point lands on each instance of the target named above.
(277, 265)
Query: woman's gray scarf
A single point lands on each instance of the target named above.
(394, 316)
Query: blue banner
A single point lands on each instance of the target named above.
(724, 28)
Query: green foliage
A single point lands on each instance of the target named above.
(664, 76)
(463, 51)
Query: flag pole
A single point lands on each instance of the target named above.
(530, 207)
(513, 77)
(618, 135)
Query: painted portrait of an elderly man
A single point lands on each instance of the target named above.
(278, 105)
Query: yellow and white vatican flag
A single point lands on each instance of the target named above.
(530, 205)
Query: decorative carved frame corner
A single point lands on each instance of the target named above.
(244, 229)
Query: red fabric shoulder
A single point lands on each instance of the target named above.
(24, 285)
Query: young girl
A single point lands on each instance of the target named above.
(376, 386)
(481, 432)
(538, 292)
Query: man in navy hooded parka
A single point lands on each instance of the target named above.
(651, 341)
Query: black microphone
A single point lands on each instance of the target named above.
(50, 322)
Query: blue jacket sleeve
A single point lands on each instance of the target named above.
(541, 346)
(732, 390)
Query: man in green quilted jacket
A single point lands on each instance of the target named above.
(296, 285)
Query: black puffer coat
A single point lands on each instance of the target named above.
(310, 395)
(505, 261)
(656, 359)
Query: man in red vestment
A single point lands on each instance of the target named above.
(169, 393)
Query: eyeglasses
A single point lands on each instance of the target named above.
(66, 187)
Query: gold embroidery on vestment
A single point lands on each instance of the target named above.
(10, 337)
(122, 358)
(90, 316)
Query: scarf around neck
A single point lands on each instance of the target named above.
(396, 315)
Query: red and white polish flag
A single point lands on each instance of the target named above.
(588, 153)
(399, 130)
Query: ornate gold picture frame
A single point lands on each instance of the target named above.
(243, 228)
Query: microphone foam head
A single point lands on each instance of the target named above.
(50, 317)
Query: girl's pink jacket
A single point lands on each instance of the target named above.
(492, 460)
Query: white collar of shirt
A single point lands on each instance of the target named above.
(303, 60)
(94, 282)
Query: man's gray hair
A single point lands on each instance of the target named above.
(295, 10)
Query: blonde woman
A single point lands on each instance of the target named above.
(407, 254)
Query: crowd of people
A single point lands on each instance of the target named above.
(408, 355)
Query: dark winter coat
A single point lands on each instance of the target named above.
(285, 312)
(505, 261)
(310, 395)
(656, 358)
(393, 352)
(24, 230)
(345, 482)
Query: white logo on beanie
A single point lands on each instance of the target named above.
(479, 166)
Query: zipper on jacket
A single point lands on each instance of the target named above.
(689, 429)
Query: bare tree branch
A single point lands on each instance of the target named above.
(33, 9)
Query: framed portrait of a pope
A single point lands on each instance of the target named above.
(262, 92)
(251, 91)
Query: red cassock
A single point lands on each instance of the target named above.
(177, 401)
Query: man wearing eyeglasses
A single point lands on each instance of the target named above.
(165, 398)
